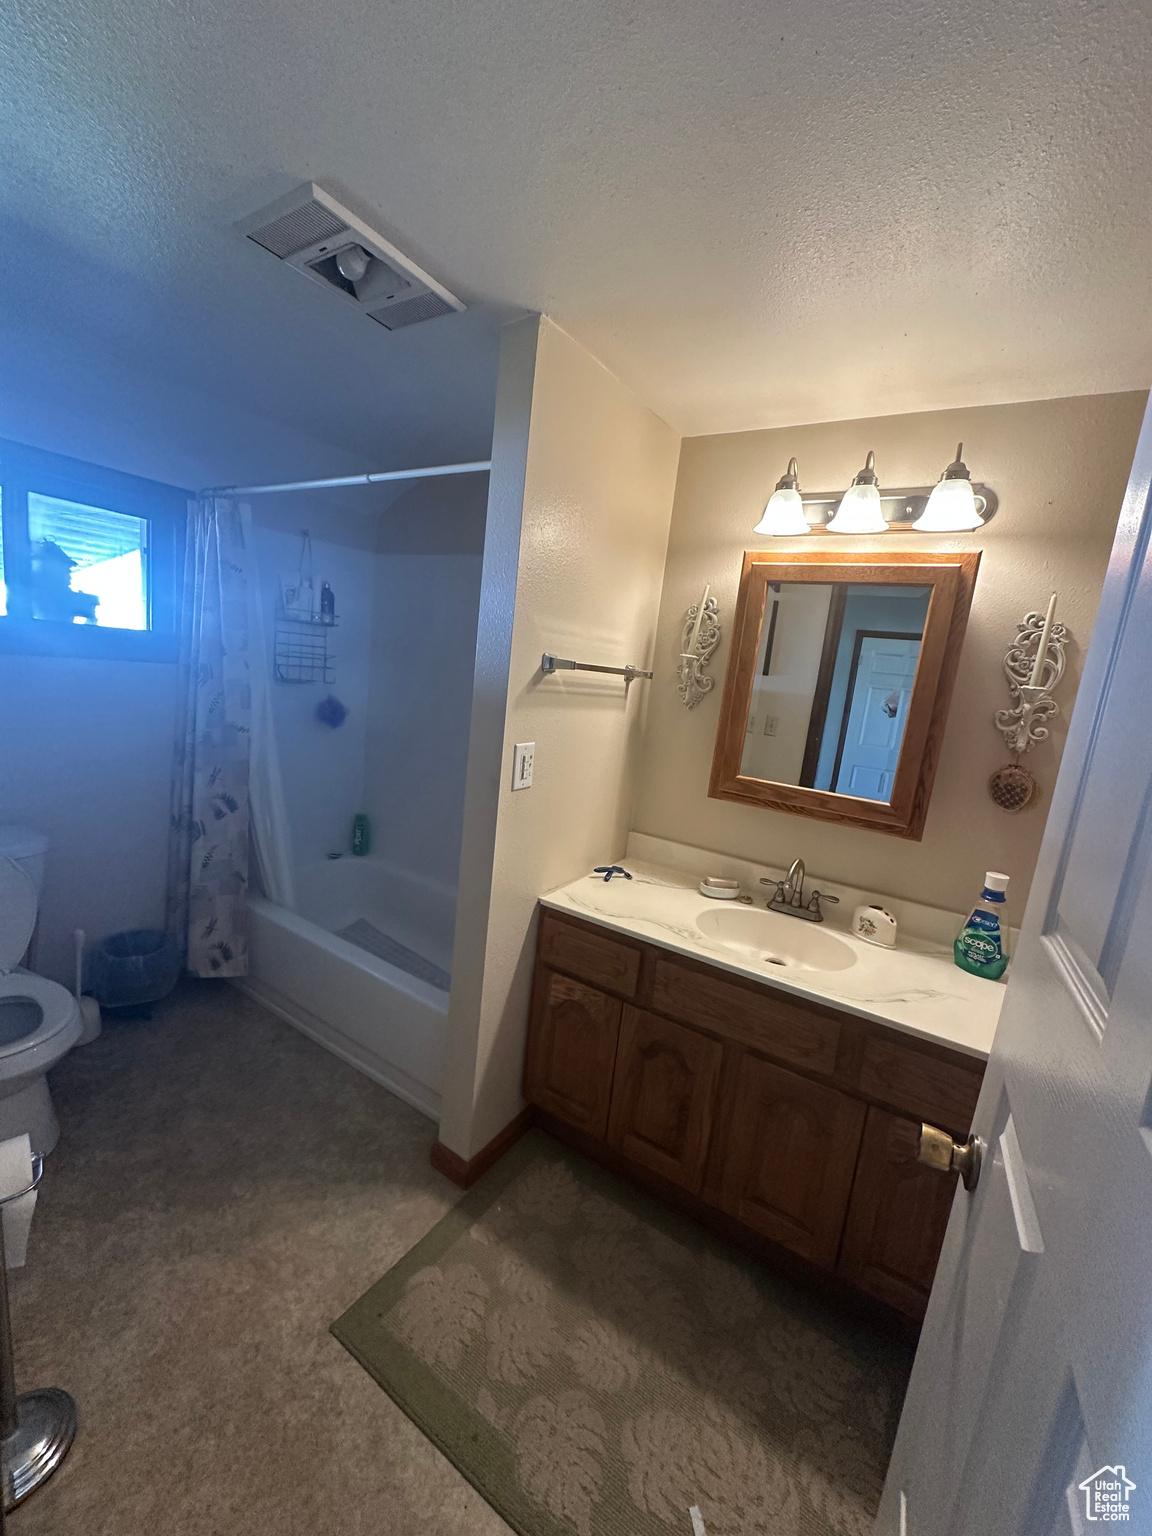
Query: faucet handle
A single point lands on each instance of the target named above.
(818, 897)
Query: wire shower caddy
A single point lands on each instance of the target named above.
(300, 650)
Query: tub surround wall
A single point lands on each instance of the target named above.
(430, 548)
(323, 770)
(404, 565)
(582, 485)
(1059, 468)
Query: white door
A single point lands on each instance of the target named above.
(1035, 1364)
(879, 691)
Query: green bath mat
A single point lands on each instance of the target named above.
(595, 1365)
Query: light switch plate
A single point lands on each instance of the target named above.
(522, 756)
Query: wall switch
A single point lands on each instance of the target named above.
(522, 756)
(770, 724)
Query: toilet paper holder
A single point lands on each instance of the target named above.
(36, 1428)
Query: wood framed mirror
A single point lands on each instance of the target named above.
(838, 684)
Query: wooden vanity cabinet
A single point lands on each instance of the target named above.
(572, 1045)
(799, 1122)
(897, 1217)
(664, 1096)
(791, 1158)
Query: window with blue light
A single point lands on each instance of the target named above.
(87, 558)
(89, 565)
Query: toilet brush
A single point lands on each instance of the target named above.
(89, 1007)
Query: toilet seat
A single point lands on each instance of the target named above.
(40, 1020)
(59, 1013)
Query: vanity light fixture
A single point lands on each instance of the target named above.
(860, 510)
(784, 515)
(952, 505)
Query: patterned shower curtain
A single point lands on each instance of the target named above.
(208, 837)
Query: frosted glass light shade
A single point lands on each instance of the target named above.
(784, 515)
(859, 512)
(951, 508)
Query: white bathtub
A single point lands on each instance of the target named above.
(388, 1023)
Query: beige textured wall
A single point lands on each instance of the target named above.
(1059, 468)
(598, 482)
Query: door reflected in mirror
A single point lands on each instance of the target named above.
(833, 683)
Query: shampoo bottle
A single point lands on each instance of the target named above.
(361, 835)
(981, 946)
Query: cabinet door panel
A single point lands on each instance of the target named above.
(791, 1156)
(897, 1216)
(571, 1050)
(664, 1096)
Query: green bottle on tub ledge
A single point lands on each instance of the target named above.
(981, 946)
(361, 834)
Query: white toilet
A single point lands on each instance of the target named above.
(39, 1019)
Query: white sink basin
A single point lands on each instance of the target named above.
(768, 938)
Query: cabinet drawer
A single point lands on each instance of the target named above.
(572, 1037)
(771, 1024)
(933, 1089)
(591, 956)
(664, 1096)
(897, 1216)
(791, 1155)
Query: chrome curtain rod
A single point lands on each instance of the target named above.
(376, 478)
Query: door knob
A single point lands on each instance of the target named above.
(938, 1150)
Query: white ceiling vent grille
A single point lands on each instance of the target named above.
(312, 232)
(297, 230)
(425, 306)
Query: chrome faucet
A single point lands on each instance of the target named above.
(788, 896)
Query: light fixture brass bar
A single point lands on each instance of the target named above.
(901, 504)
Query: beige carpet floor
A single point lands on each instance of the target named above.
(223, 1189)
(599, 1366)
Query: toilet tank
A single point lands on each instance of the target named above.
(28, 848)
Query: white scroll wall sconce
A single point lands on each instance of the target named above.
(953, 505)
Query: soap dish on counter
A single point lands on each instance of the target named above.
(720, 888)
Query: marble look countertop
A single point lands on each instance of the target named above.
(915, 987)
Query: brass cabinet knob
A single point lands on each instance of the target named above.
(938, 1150)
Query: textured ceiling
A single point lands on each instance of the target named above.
(754, 213)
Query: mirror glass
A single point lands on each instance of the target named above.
(833, 681)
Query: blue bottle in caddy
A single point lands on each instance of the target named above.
(361, 835)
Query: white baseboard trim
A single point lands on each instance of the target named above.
(324, 1034)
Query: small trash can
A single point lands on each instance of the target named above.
(135, 968)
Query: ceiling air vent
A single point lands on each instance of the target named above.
(314, 233)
